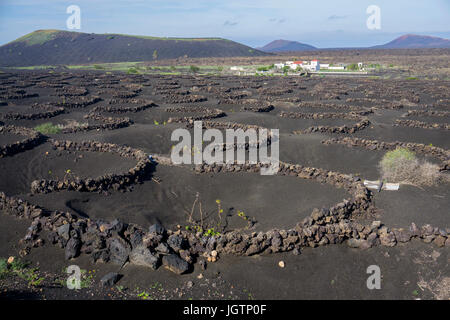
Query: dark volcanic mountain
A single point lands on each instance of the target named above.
(413, 41)
(54, 47)
(286, 45)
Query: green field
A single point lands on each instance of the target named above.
(132, 68)
(163, 38)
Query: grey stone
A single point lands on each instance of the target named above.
(354, 243)
(254, 249)
(119, 250)
(323, 241)
(81, 226)
(440, 241)
(388, 239)
(177, 242)
(375, 225)
(72, 248)
(100, 256)
(117, 226)
(186, 256)
(136, 238)
(402, 235)
(276, 241)
(175, 264)
(427, 230)
(92, 240)
(331, 237)
(415, 231)
(157, 228)
(372, 239)
(162, 248)
(74, 233)
(317, 214)
(384, 230)
(211, 244)
(110, 279)
(64, 231)
(142, 256)
(52, 237)
(152, 239)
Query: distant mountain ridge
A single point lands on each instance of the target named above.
(407, 41)
(56, 47)
(414, 41)
(285, 46)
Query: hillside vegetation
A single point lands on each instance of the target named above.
(54, 47)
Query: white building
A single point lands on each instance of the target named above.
(315, 65)
(324, 65)
(312, 66)
(336, 68)
(295, 64)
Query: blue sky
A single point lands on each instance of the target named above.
(322, 23)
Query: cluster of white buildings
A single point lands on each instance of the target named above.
(312, 65)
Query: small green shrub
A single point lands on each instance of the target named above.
(87, 278)
(17, 267)
(3, 268)
(132, 70)
(264, 68)
(48, 128)
(392, 158)
(211, 233)
(144, 295)
(353, 67)
(402, 165)
(397, 165)
(31, 276)
(194, 69)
